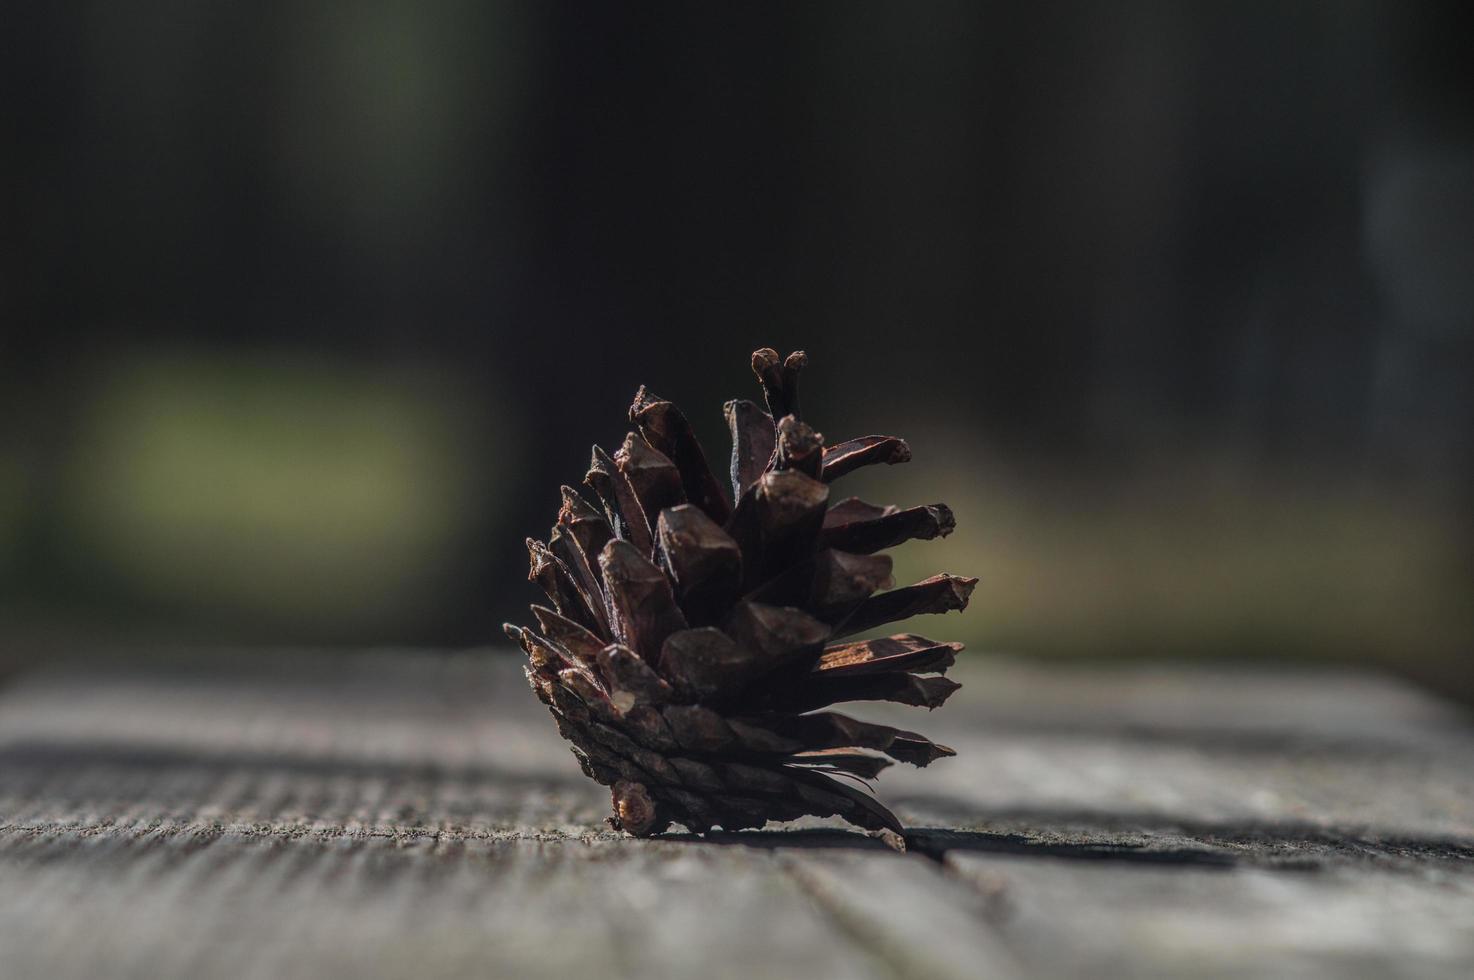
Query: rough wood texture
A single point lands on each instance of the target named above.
(403, 815)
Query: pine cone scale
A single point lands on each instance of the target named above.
(753, 441)
(667, 431)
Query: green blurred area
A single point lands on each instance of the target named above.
(280, 498)
(1198, 555)
(269, 495)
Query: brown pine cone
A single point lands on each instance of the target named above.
(694, 636)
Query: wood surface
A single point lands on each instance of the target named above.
(415, 815)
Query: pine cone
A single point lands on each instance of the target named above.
(692, 639)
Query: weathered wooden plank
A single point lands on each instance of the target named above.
(397, 818)
(1098, 918)
(394, 815)
(1233, 748)
(1159, 822)
(923, 924)
(186, 902)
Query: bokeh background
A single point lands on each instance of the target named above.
(307, 308)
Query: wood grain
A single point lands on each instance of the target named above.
(415, 815)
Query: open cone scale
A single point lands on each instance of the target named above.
(697, 632)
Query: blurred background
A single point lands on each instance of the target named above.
(307, 308)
